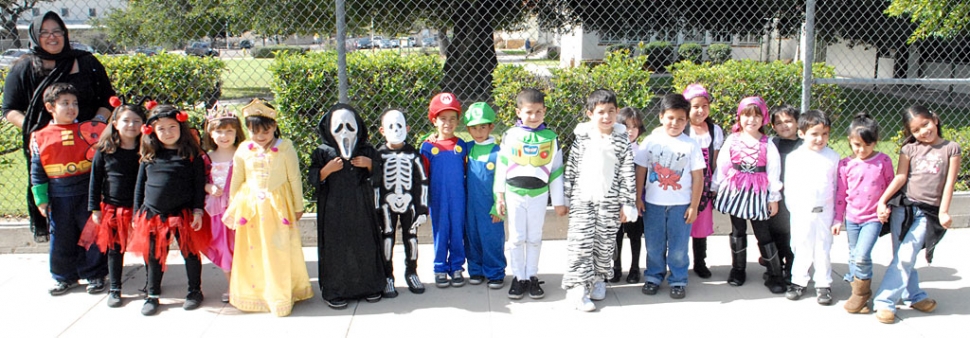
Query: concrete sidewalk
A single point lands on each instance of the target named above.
(712, 307)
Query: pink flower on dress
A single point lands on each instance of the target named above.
(252, 146)
(286, 221)
(261, 195)
(275, 149)
(242, 221)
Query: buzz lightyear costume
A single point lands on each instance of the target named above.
(484, 239)
(528, 170)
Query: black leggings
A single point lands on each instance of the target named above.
(193, 270)
(633, 231)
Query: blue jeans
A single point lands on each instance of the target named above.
(666, 234)
(862, 238)
(901, 281)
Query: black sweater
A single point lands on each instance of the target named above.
(170, 184)
(113, 177)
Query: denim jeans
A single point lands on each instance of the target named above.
(666, 234)
(862, 238)
(901, 281)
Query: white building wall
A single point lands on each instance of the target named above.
(578, 45)
(78, 11)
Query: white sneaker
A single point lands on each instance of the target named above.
(579, 298)
(599, 290)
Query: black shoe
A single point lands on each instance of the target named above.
(336, 303)
(535, 288)
(193, 300)
(634, 276)
(701, 270)
(414, 284)
(374, 298)
(794, 292)
(61, 288)
(678, 292)
(389, 290)
(824, 296)
(457, 280)
(476, 279)
(518, 288)
(95, 286)
(650, 288)
(496, 283)
(151, 306)
(114, 298)
(617, 273)
(737, 277)
(441, 280)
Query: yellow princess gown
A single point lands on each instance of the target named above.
(268, 269)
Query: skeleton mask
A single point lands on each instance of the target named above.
(395, 127)
(343, 127)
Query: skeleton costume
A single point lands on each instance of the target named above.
(351, 265)
(402, 199)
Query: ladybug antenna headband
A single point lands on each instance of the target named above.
(118, 101)
(173, 113)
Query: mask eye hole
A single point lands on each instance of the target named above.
(339, 128)
(350, 128)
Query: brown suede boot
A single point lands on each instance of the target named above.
(861, 293)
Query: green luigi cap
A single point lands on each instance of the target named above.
(479, 113)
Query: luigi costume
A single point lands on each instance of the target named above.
(484, 239)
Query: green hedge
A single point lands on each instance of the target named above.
(660, 55)
(181, 80)
(9, 135)
(690, 52)
(567, 89)
(719, 52)
(778, 83)
(271, 52)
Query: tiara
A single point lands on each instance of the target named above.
(258, 108)
(219, 112)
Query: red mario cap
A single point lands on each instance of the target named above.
(442, 102)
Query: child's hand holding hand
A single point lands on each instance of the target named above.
(419, 220)
(690, 215)
(197, 219)
(96, 216)
(945, 220)
(836, 228)
(500, 205)
(772, 209)
(562, 210)
(362, 162)
(213, 190)
(882, 210)
(43, 209)
(640, 206)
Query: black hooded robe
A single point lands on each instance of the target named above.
(348, 232)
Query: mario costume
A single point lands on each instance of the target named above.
(59, 177)
(444, 161)
(484, 239)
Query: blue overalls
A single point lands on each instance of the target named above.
(446, 173)
(484, 240)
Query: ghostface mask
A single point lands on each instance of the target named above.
(343, 128)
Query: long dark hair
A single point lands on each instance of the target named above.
(188, 146)
(918, 110)
(111, 140)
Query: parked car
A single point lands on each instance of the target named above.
(201, 49)
(394, 43)
(245, 44)
(150, 51)
(11, 55)
(379, 42)
(429, 42)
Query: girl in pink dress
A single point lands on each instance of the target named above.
(223, 136)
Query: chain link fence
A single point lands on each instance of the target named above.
(305, 55)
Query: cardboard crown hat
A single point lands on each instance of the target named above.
(258, 108)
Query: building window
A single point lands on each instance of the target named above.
(92, 12)
(64, 12)
(35, 11)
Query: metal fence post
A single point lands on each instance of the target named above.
(342, 52)
(808, 46)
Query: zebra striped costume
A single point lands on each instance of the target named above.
(598, 183)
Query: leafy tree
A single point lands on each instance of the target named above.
(10, 13)
(164, 22)
(936, 18)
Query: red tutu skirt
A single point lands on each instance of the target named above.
(114, 229)
(191, 242)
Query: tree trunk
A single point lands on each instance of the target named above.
(471, 55)
(901, 62)
(10, 29)
(443, 41)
